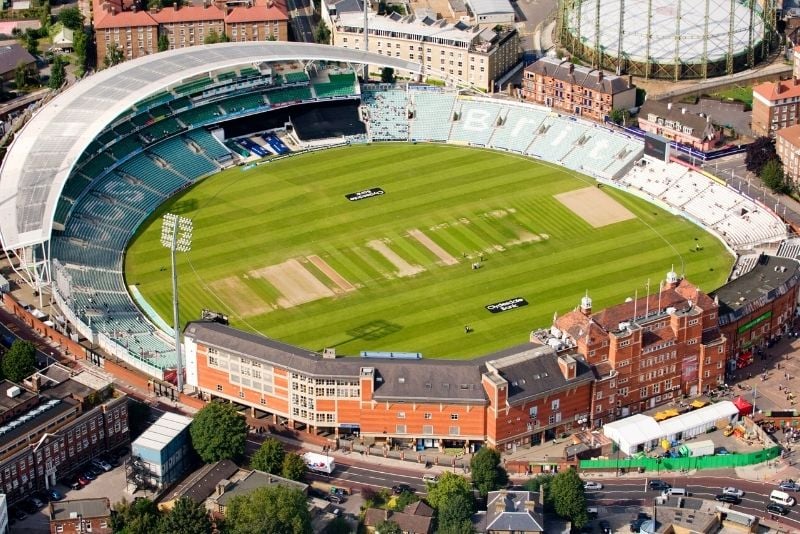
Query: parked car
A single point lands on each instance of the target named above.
(721, 451)
(778, 509)
(54, 495)
(28, 507)
(636, 525)
(18, 514)
(73, 483)
(101, 464)
(88, 474)
(733, 491)
(400, 488)
(605, 527)
(83, 481)
(658, 485)
(731, 499)
(95, 471)
(336, 499)
(789, 485)
(590, 485)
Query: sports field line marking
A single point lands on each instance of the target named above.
(403, 267)
(331, 273)
(294, 282)
(428, 243)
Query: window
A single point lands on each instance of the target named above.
(428, 416)
(401, 415)
(241, 394)
(555, 404)
(455, 430)
(533, 411)
(643, 392)
(400, 429)
(598, 408)
(454, 417)
(219, 387)
(427, 430)
(598, 395)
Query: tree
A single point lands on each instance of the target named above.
(163, 42)
(269, 456)
(58, 74)
(21, 75)
(404, 499)
(186, 517)
(338, 526)
(46, 16)
(294, 467)
(20, 360)
(323, 33)
(268, 510)
(487, 473)
(758, 153)
(218, 432)
(569, 499)
(450, 489)
(139, 517)
(213, 37)
(541, 483)
(454, 517)
(773, 177)
(32, 44)
(154, 4)
(387, 75)
(388, 527)
(620, 116)
(113, 55)
(71, 17)
(79, 45)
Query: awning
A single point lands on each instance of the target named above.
(698, 404)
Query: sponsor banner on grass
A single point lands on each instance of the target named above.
(367, 193)
(510, 304)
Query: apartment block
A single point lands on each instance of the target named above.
(577, 90)
(776, 105)
(679, 125)
(189, 25)
(80, 515)
(787, 145)
(456, 53)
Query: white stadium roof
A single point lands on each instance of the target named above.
(41, 157)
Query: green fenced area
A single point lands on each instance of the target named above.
(676, 464)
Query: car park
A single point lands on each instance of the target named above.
(778, 509)
(733, 491)
(401, 488)
(101, 464)
(590, 485)
(605, 527)
(730, 499)
(658, 485)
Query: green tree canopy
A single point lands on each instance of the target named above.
(454, 517)
(71, 17)
(486, 472)
(404, 499)
(79, 45)
(269, 510)
(758, 153)
(569, 499)
(294, 467)
(186, 517)
(163, 42)
(773, 177)
(541, 483)
(20, 360)
(387, 75)
(218, 432)
(323, 33)
(269, 456)
(388, 527)
(21, 75)
(113, 55)
(58, 73)
(450, 485)
(138, 517)
(213, 38)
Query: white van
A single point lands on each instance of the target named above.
(430, 479)
(781, 497)
(675, 492)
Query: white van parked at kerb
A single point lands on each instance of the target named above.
(781, 497)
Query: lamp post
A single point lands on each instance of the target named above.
(176, 235)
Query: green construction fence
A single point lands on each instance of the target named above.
(676, 464)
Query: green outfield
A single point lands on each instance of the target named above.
(284, 253)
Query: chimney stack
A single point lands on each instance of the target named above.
(599, 76)
(386, 515)
(669, 106)
(630, 81)
(683, 111)
(500, 504)
(571, 68)
(530, 506)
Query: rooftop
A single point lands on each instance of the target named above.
(770, 278)
(589, 78)
(667, 111)
(11, 55)
(791, 134)
(162, 432)
(424, 28)
(510, 511)
(777, 90)
(190, 13)
(8, 402)
(253, 481)
(205, 480)
(86, 508)
(490, 7)
(257, 14)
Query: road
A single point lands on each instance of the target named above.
(634, 492)
(302, 22)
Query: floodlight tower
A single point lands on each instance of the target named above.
(176, 235)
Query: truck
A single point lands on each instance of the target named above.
(700, 448)
(319, 463)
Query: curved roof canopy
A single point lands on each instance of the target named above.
(41, 157)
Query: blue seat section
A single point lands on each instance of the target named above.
(386, 113)
(155, 176)
(202, 114)
(95, 166)
(209, 144)
(125, 146)
(182, 159)
(110, 210)
(253, 147)
(130, 191)
(275, 144)
(75, 251)
(160, 130)
(75, 186)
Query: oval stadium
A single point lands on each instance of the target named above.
(331, 213)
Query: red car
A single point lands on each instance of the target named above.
(83, 481)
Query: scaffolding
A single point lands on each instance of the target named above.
(669, 39)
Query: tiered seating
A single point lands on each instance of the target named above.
(201, 114)
(744, 265)
(194, 86)
(476, 122)
(141, 120)
(75, 186)
(558, 141)
(124, 128)
(597, 153)
(249, 72)
(289, 94)
(242, 103)
(69, 250)
(139, 195)
(386, 114)
(154, 100)
(107, 137)
(295, 77)
(275, 144)
(181, 158)
(125, 146)
(225, 76)
(97, 279)
(161, 111)
(148, 171)
(180, 103)
(432, 115)
(209, 144)
(160, 130)
(339, 85)
(108, 210)
(62, 210)
(98, 164)
(236, 147)
(790, 249)
(520, 126)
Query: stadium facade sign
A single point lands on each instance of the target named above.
(367, 193)
(510, 304)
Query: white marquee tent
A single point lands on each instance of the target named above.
(642, 432)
